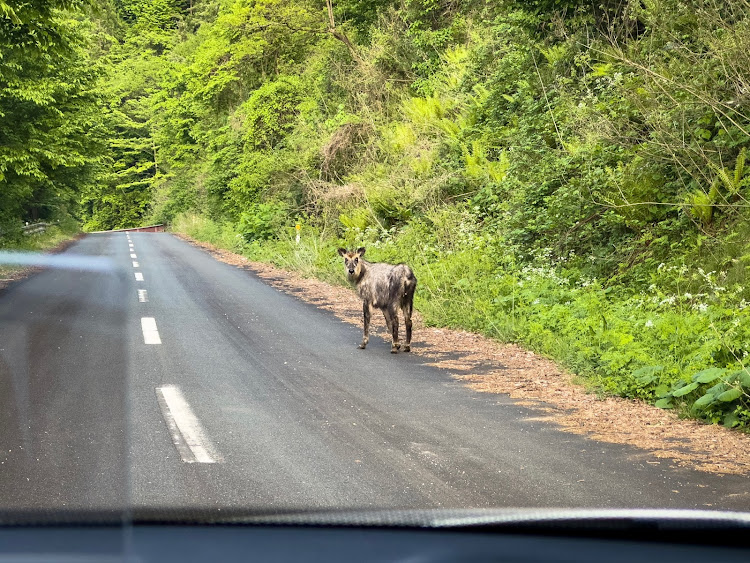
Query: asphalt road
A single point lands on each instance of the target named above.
(201, 387)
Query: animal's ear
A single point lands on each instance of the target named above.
(342, 251)
(361, 251)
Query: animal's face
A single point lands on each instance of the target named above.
(352, 261)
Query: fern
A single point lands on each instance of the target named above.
(701, 205)
(555, 53)
(478, 166)
(739, 172)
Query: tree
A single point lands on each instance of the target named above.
(49, 126)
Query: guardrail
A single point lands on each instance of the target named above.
(149, 229)
(33, 228)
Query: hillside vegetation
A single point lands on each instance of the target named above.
(568, 174)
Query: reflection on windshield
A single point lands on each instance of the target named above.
(420, 254)
(64, 377)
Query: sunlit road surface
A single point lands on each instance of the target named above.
(174, 380)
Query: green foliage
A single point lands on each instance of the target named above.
(566, 174)
(263, 221)
(270, 112)
(48, 109)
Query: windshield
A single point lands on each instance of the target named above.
(270, 256)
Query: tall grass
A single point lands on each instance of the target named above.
(222, 234)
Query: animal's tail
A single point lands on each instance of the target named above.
(409, 286)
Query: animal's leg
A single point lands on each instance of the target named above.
(392, 315)
(407, 309)
(366, 330)
(387, 320)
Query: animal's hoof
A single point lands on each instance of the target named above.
(407, 348)
(362, 346)
(394, 350)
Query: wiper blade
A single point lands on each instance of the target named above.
(698, 527)
(665, 518)
(464, 518)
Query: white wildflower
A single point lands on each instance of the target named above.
(649, 323)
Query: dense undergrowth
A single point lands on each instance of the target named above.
(562, 173)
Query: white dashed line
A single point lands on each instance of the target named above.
(187, 433)
(138, 276)
(135, 264)
(133, 255)
(142, 296)
(150, 332)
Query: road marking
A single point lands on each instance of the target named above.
(138, 276)
(135, 264)
(187, 433)
(142, 296)
(133, 255)
(150, 332)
